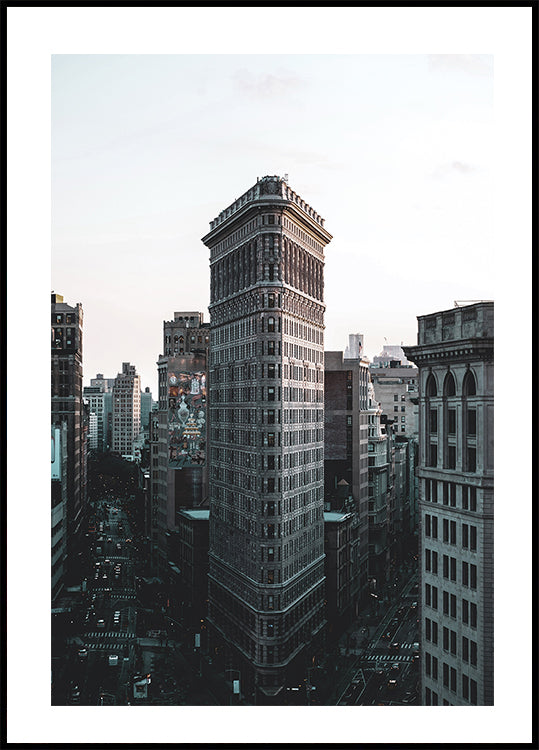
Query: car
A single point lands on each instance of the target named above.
(395, 646)
(413, 605)
(392, 684)
(394, 669)
(83, 653)
(100, 624)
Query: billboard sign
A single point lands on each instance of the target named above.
(186, 418)
(55, 453)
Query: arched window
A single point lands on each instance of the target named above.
(468, 384)
(470, 422)
(449, 385)
(430, 387)
(431, 446)
(450, 422)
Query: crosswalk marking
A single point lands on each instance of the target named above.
(103, 634)
(388, 657)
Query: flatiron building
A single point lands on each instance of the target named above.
(266, 396)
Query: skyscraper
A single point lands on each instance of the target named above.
(266, 567)
(67, 407)
(455, 356)
(125, 410)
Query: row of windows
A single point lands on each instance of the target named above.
(449, 533)
(468, 574)
(449, 385)
(468, 494)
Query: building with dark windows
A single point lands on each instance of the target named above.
(58, 507)
(67, 407)
(179, 477)
(345, 455)
(125, 411)
(455, 357)
(266, 558)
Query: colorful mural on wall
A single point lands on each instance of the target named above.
(187, 418)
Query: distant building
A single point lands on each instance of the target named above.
(193, 537)
(104, 384)
(346, 457)
(67, 407)
(455, 357)
(146, 405)
(59, 502)
(178, 433)
(391, 356)
(380, 490)
(100, 417)
(354, 350)
(340, 544)
(125, 411)
(396, 390)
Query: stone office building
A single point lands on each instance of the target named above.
(266, 574)
(67, 407)
(178, 434)
(455, 357)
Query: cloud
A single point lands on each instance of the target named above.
(472, 64)
(459, 167)
(267, 85)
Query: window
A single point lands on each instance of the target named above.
(445, 639)
(449, 385)
(427, 525)
(446, 566)
(395, 397)
(271, 325)
(395, 408)
(446, 675)
(452, 457)
(471, 422)
(271, 297)
(465, 576)
(430, 387)
(403, 408)
(271, 371)
(433, 454)
(427, 560)
(473, 576)
(473, 653)
(473, 615)
(473, 499)
(434, 527)
(433, 421)
(435, 563)
(473, 692)
(446, 530)
(453, 638)
(465, 687)
(445, 603)
(427, 664)
(271, 439)
(465, 649)
(453, 532)
(271, 393)
(453, 680)
(453, 495)
(435, 597)
(453, 607)
(465, 535)
(427, 594)
(451, 421)
(434, 668)
(464, 497)
(470, 459)
(473, 538)
(271, 347)
(403, 397)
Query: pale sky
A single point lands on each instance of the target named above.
(394, 151)
(408, 129)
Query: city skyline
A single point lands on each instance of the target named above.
(139, 162)
(462, 30)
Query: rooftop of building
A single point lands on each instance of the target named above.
(331, 516)
(195, 514)
(473, 321)
(270, 186)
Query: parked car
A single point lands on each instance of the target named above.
(395, 646)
